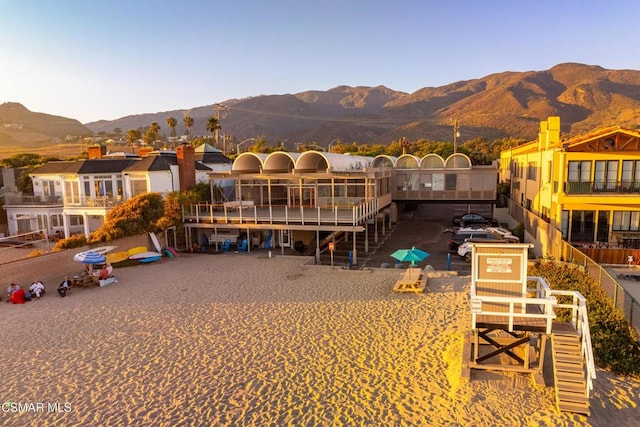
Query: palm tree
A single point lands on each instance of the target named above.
(188, 122)
(133, 135)
(172, 123)
(151, 135)
(213, 125)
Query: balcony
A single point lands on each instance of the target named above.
(602, 187)
(106, 202)
(19, 199)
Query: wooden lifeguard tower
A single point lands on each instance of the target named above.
(513, 317)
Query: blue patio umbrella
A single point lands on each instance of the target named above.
(412, 255)
(90, 257)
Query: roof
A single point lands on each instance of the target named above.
(77, 167)
(160, 162)
(217, 158)
(153, 163)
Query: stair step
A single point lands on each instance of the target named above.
(574, 407)
(566, 340)
(568, 358)
(576, 387)
(563, 348)
(572, 396)
(569, 367)
(575, 376)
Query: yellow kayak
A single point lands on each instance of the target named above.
(137, 250)
(117, 257)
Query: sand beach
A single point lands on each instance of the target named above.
(248, 340)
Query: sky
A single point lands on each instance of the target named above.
(106, 59)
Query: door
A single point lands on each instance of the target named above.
(306, 198)
(285, 238)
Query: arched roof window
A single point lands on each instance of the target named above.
(383, 160)
(407, 161)
(249, 162)
(432, 161)
(280, 161)
(319, 161)
(458, 161)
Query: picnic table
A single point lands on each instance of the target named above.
(412, 280)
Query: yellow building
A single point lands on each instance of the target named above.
(587, 186)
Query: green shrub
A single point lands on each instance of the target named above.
(518, 230)
(135, 216)
(615, 345)
(72, 242)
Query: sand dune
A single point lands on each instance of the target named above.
(247, 340)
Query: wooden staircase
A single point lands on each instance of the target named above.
(569, 370)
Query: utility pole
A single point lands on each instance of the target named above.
(456, 135)
(404, 143)
(220, 112)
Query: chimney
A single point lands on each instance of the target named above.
(144, 151)
(96, 151)
(186, 166)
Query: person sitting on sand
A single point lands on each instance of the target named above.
(10, 290)
(37, 289)
(104, 273)
(63, 287)
(18, 296)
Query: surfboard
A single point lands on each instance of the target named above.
(103, 249)
(117, 256)
(154, 239)
(149, 259)
(143, 255)
(137, 250)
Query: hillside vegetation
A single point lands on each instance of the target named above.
(501, 105)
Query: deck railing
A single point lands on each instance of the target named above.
(302, 215)
(602, 186)
(517, 306)
(580, 321)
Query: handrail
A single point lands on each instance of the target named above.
(580, 320)
(544, 302)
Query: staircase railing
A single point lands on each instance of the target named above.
(580, 321)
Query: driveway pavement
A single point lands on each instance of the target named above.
(428, 228)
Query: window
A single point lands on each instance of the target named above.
(56, 220)
(605, 175)
(532, 171)
(630, 176)
(451, 180)
(75, 220)
(579, 177)
(626, 221)
(48, 188)
(138, 186)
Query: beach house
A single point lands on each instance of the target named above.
(73, 197)
(582, 189)
(306, 200)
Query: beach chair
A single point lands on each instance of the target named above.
(226, 245)
(242, 246)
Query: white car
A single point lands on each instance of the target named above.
(505, 234)
(464, 250)
(501, 232)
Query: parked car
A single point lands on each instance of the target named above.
(464, 250)
(504, 234)
(473, 218)
(460, 236)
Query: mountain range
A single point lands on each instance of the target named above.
(507, 104)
